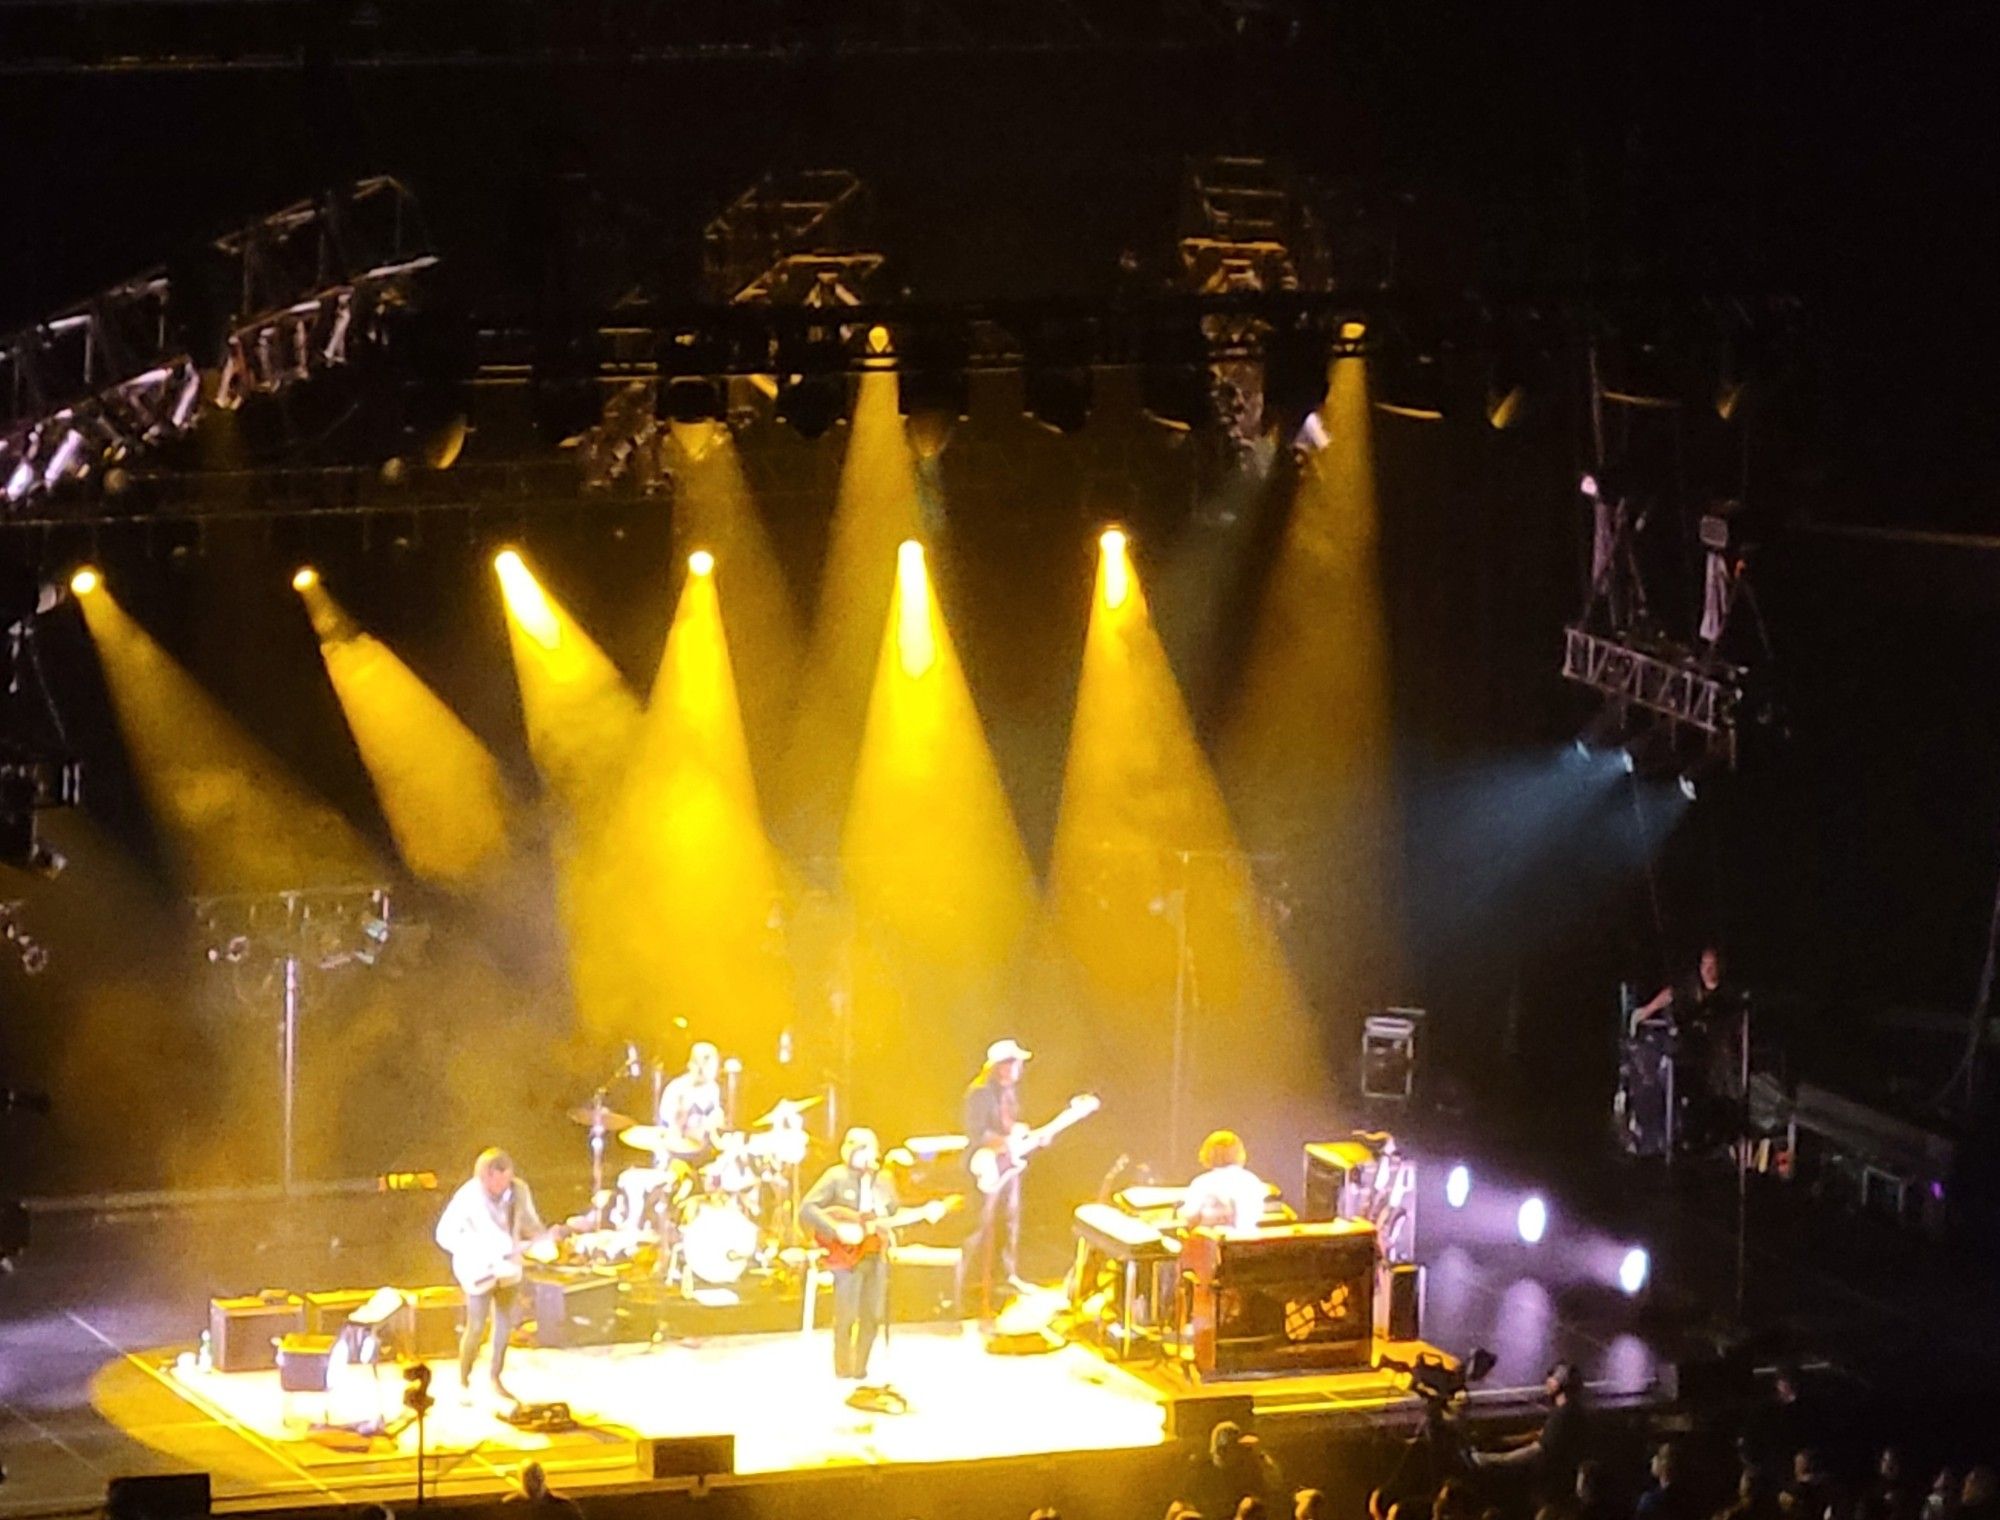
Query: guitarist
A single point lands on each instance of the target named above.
(489, 1219)
(842, 1209)
(992, 1108)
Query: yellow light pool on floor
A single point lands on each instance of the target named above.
(701, 562)
(85, 581)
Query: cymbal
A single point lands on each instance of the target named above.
(591, 1116)
(783, 1107)
(658, 1138)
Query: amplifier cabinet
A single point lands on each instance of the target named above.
(244, 1332)
(573, 1311)
(1292, 1298)
(429, 1324)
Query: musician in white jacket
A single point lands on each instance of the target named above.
(489, 1219)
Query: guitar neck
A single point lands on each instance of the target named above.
(1058, 1124)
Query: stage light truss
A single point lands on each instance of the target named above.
(1691, 692)
(126, 36)
(325, 928)
(792, 240)
(99, 382)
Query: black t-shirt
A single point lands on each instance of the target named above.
(1563, 1442)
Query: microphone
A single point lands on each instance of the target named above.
(633, 1066)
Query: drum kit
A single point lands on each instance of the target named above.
(695, 1211)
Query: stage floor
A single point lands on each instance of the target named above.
(774, 1392)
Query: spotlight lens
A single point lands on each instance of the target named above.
(1531, 1220)
(910, 556)
(878, 339)
(85, 581)
(1353, 332)
(1458, 1185)
(1634, 1270)
(305, 578)
(1626, 762)
(1688, 788)
(1112, 541)
(701, 562)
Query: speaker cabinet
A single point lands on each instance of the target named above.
(662, 1457)
(1192, 1418)
(1399, 1305)
(164, 1496)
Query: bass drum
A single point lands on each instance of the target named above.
(718, 1239)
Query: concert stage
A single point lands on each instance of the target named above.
(773, 1392)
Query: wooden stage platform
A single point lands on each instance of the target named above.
(774, 1392)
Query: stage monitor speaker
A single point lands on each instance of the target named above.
(161, 1496)
(1191, 1419)
(662, 1457)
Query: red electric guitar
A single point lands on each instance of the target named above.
(876, 1229)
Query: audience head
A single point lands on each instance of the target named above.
(1250, 1507)
(1666, 1463)
(1378, 1504)
(1980, 1486)
(1589, 1481)
(1223, 1441)
(1310, 1504)
(1805, 1466)
(534, 1481)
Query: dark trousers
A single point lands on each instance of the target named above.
(860, 1304)
(496, 1304)
(996, 1244)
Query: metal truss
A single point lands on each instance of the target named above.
(96, 384)
(130, 36)
(797, 239)
(1688, 690)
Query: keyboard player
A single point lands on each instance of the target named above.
(1227, 1195)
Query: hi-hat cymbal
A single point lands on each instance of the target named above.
(592, 1116)
(658, 1139)
(783, 1108)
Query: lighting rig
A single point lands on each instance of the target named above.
(276, 943)
(96, 385)
(1684, 674)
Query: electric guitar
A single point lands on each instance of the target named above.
(876, 1228)
(481, 1269)
(999, 1162)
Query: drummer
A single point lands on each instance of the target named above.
(691, 1107)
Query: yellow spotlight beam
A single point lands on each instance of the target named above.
(440, 789)
(940, 882)
(1308, 747)
(580, 715)
(716, 514)
(876, 509)
(681, 890)
(233, 817)
(1151, 897)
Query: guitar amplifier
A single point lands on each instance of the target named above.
(573, 1311)
(429, 1326)
(1294, 1298)
(326, 1313)
(244, 1332)
(1329, 1165)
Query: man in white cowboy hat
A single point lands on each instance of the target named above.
(992, 1110)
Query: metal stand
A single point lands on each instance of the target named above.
(288, 1058)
